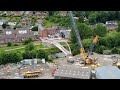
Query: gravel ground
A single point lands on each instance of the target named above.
(11, 71)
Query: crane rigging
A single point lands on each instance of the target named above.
(82, 51)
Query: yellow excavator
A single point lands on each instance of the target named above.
(85, 59)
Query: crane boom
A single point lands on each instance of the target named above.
(75, 28)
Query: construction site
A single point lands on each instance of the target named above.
(86, 65)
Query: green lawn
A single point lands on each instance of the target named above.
(3, 48)
(48, 23)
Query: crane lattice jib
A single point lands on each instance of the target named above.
(75, 28)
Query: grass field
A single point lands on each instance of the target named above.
(48, 23)
(20, 48)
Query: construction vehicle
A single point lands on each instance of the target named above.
(32, 74)
(84, 59)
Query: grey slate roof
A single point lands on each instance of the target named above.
(6, 36)
(21, 28)
(1, 37)
(40, 27)
(51, 28)
(9, 30)
(24, 35)
(3, 20)
(73, 72)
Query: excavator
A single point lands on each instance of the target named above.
(85, 59)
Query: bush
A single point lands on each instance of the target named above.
(29, 47)
(107, 52)
(75, 49)
(35, 28)
(9, 44)
(29, 40)
(16, 44)
(10, 57)
(50, 59)
(86, 43)
(115, 50)
(42, 54)
(100, 49)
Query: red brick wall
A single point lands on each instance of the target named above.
(45, 33)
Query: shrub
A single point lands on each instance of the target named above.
(15, 44)
(100, 49)
(29, 40)
(9, 44)
(29, 47)
(10, 57)
(115, 50)
(50, 59)
(42, 54)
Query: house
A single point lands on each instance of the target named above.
(18, 13)
(111, 25)
(28, 13)
(44, 32)
(3, 21)
(62, 13)
(41, 14)
(12, 24)
(18, 35)
(25, 20)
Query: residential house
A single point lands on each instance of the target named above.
(111, 25)
(18, 35)
(25, 20)
(28, 13)
(2, 22)
(18, 13)
(62, 13)
(12, 24)
(44, 32)
(41, 14)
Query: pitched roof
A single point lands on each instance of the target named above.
(21, 28)
(3, 20)
(111, 22)
(40, 27)
(24, 35)
(7, 36)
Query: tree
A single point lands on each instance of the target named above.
(27, 55)
(84, 30)
(42, 54)
(100, 30)
(118, 29)
(35, 28)
(100, 49)
(10, 57)
(92, 18)
(9, 44)
(29, 47)
(29, 40)
(115, 50)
